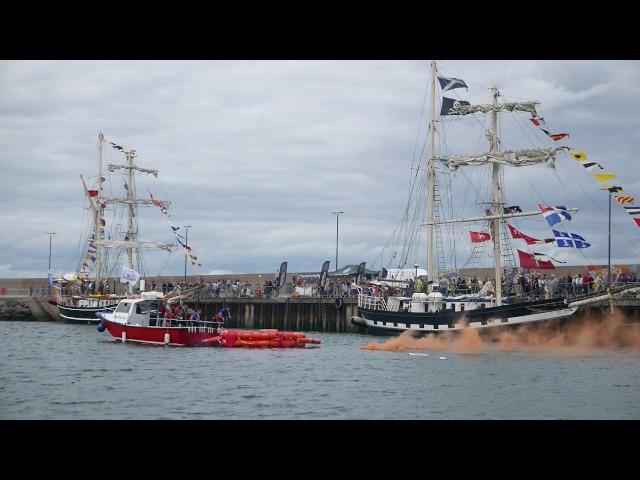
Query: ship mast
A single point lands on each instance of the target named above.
(431, 176)
(98, 210)
(496, 200)
(130, 192)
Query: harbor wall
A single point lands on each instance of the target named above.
(292, 314)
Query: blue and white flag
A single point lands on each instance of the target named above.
(554, 215)
(451, 83)
(579, 241)
(572, 240)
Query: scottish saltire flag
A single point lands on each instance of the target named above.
(554, 215)
(451, 83)
(572, 240)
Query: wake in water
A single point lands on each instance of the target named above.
(577, 336)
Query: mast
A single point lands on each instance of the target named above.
(130, 192)
(431, 176)
(496, 199)
(98, 210)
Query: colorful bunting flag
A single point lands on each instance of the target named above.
(633, 210)
(612, 188)
(603, 177)
(592, 165)
(580, 156)
(622, 199)
(539, 122)
(558, 136)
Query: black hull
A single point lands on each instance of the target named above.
(86, 315)
(380, 322)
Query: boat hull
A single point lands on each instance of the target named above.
(177, 336)
(506, 316)
(80, 314)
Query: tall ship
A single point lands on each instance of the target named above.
(442, 300)
(111, 244)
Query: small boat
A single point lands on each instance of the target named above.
(138, 320)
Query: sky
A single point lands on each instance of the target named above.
(255, 155)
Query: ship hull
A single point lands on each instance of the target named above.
(382, 322)
(80, 314)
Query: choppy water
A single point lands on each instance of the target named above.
(58, 371)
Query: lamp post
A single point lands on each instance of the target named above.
(609, 254)
(49, 274)
(416, 267)
(337, 214)
(186, 242)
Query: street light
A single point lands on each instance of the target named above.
(337, 214)
(186, 242)
(49, 274)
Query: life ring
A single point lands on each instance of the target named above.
(338, 303)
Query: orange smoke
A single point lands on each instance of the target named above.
(577, 336)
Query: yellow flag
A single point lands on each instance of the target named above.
(581, 156)
(603, 177)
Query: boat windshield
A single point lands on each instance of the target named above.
(123, 307)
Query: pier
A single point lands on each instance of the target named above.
(318, 314)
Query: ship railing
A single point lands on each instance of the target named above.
(371, 303)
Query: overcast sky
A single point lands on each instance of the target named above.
(255, 155)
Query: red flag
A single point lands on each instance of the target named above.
(479, 236)
(515, 234)
(637, 220)
(528, 260)
(92, 193)
(558, 136)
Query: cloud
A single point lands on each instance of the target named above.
(256, 154)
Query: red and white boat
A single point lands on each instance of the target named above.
(138, 320)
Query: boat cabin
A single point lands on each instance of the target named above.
(141, 312)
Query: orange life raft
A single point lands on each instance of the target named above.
(260, 339)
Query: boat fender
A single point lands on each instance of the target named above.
(100, 327)
(338, 303)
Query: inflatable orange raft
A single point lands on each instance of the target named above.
(260, 339)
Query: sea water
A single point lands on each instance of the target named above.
(62, 371)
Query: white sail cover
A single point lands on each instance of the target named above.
(130, 201)
(133, 167)
(515, 158)
(500, 107)
(134, 244)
